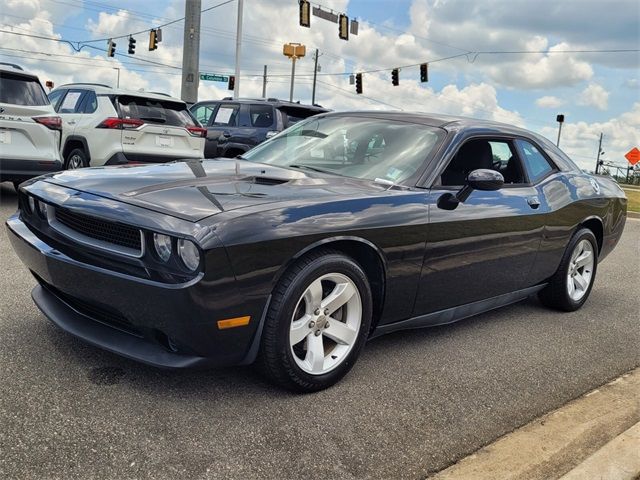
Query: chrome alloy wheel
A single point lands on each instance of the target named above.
(75, 161)
(580, 270)
(325, 323)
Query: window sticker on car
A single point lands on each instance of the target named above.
(394, 173)
(70, 101)
(224, 115)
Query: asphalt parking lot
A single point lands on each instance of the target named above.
(415, 402)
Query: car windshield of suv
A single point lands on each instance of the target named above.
(367, 148)
(150, 110)
(21, 90)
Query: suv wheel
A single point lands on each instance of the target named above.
(76, 159)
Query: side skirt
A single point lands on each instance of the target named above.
(451, 315)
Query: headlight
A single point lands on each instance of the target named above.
(162, 244)
(32, 204)
(41, 207)
(189, 254)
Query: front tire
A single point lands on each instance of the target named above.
(571, 285)
(317, 323)
(77, 158)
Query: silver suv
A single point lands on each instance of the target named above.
(30, 130)
(107, 126)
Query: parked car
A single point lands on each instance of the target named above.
(29, 127)
(235, 126)
(344, 227)
(108, 126)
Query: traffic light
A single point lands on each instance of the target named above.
(153, 40)
(424, 72)
(132, 45)
(358, 83)
(395, 77)
(343, 27)
(111, 48)
(232, 83)
(305, 13)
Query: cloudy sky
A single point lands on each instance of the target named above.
(597, 92)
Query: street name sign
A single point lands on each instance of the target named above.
(211, 77)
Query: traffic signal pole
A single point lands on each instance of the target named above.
(191, 51)
(315, 76)
(236, 90)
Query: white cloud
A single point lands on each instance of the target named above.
(549, 101)
(580, 139)
(594, 96)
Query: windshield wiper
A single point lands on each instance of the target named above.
(314, 169)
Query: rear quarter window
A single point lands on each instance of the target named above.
(21, 90)
(150, 110)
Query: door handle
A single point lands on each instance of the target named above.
(534, 202)
(71, 122)
(226, 134)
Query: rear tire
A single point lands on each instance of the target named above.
(317, 323)
(571, 285)
(77, 158)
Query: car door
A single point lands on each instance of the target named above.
(223, 123)
(487, 246)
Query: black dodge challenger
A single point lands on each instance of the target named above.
(344, 227)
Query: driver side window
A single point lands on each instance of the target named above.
(492, 154)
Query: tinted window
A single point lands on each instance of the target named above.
(90, 103)
(374, 149)
(227, 115)
(55, 96)
(71, 102)
(21, 90)
(150, 110)
(535, 163)
(261, 115)
(293, 115)
(203, 113)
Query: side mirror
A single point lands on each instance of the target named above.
(480, 179)
(271, 133)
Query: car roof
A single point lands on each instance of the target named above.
(271, 101)
(102, 89)
(16, 69)
(449, 122)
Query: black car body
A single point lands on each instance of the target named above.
(426, 262)
(235, 126)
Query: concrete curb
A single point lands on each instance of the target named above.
(558, 442)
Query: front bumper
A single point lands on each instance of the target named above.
(164, 325)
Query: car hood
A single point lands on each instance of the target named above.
(196, 189)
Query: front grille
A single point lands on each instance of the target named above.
(103, 230)
(98, 313)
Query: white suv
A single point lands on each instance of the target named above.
(106, 126)
(29, 127)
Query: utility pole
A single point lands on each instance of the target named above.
(191, 51)
(236, 90)
(118, 81)
(264, 83)
(315, 74)
(560, 120)
(599, 153)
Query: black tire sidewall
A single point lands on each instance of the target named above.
(76, 151)
(583, 234)
(332, 263)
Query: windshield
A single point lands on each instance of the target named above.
(360, 147)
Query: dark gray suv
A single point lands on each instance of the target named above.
(235, 126)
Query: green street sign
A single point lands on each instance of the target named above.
(213, 77)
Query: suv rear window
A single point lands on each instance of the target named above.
(21, 90)
(150, 110)
(295, 114)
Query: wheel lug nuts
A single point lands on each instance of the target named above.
(326, 311)
(317, 311)
(317, 333)
(312, 324)
(326, 325)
